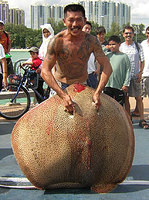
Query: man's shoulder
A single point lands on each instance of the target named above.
(144, 42)
(92, 37)
(59, 37)
(123, 44)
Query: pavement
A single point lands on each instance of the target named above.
(135, 191)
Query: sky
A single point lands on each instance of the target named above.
(139, 9)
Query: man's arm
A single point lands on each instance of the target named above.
(127, 66)
(141, 63)
(46, 74)
(106, 72)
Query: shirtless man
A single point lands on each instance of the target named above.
(69, 52)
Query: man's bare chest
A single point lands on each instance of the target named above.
(74, 51)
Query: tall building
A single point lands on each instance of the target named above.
(105, 12)
(4, 11)
(102, 12)
(41, 13)
(15, 15)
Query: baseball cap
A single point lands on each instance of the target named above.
(33, 49)
(1, 22)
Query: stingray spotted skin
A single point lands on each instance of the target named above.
(87, 149)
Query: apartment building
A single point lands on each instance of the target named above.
(4, 11)
(41, 13)
(103, 12)
(15, 16)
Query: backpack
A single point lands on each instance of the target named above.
(137, 46)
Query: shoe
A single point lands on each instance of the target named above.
(143, 124)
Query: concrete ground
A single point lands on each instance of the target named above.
(139, 170)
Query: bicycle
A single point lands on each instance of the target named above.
(15, 101)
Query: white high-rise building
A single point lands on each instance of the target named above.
(105, 12)
(41, 13)
(102, 12)
(4, 11)
(14, 15)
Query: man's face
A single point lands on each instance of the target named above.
(74, 22)
(87, 28)
(147, 34)
(128, 34)
(113, 46)
(46, 33)
(101, 36)
(33, 54)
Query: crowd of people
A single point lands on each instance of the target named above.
(120, 70)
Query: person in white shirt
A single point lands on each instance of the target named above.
(93, 68)
(47, 35)
(3, 69)
(137, 64)
(145, 75)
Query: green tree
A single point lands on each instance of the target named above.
(139, 30)
(23, 37)
(115, 30)
(57, 26)
(94, 27)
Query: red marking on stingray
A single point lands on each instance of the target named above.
(79, 87)
(89, 144)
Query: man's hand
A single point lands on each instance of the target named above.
(96, 100)
(69, 104)
(38, 71)
(125, 88)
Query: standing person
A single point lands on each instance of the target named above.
(137, 63)
(3, 68)
(145, 75)
(35, 62)
(70, 51)
(119, 80)
(6, 43)
(101, 32)
(47, 35)
(93, 68)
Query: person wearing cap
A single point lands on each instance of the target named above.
(3, 69)
(35, 62)
(6, 43)
(47, 35)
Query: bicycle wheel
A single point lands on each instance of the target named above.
(13, 105)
